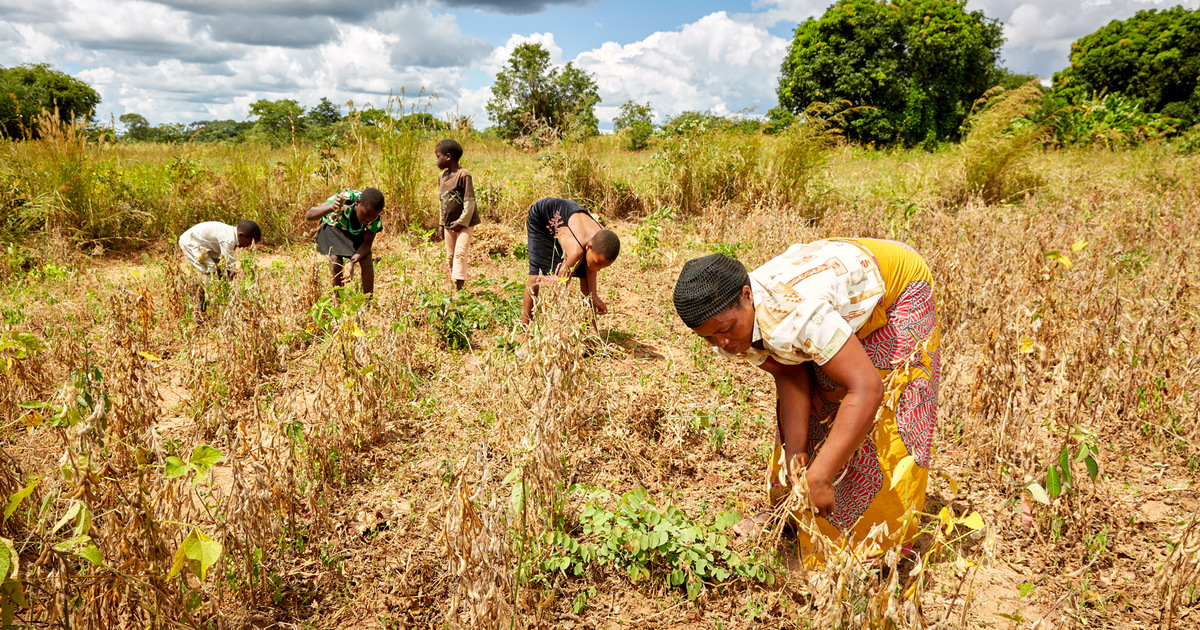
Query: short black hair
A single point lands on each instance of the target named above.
(606, 243)
(449, 147)
(250, 229)
(371, 198)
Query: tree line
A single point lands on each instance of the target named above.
(897, 72)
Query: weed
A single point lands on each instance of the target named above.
(647, 238)
(646, 542)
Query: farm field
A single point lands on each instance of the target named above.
(285, 459)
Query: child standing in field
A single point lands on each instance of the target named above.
(209, 246)
(458, 214)
(349, 222)
(566, 241)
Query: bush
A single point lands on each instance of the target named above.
(999, 139)
(635, 124)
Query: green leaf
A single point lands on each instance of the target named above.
(694, 587)
(1053, 483)
(174, 467)
(11, 567)
(84, 523)
(20, 495)
(512, 476)
(72, 512)
(1038, 493)
(92, 554)
(580, 603)
(1092, 467)
(198, 552)
(726, 519)
(6, 558)
(204, 458)
(516, 500)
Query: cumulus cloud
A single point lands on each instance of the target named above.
(172, 64)
(716, 63)
(429, 40)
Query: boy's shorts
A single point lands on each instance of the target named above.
(334, 241)
(545, 254)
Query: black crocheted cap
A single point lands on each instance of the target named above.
(707, 286)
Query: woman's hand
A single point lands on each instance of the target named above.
(820, 492)
(599, 305)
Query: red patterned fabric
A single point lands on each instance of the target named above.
(911, 314)
(916, 417)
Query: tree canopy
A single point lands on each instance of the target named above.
(530, 94)
(1153, 56)
(910, 69)
(277, 121)
(636, 121)
(25, 91)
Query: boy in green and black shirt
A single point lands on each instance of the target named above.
(349, 222)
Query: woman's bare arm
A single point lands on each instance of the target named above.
(851, 368)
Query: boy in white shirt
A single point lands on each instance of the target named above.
(209, 246)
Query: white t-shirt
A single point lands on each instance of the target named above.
(208, 244)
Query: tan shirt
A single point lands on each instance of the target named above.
(810, 299)
(457, 196)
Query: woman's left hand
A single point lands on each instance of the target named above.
(820, 492)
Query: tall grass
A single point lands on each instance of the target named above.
(997, 147)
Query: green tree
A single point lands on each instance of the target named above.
(1153, 56)
(530, 94)
(694, 122)
(909, 69)
(325, 113)
(636, 122)
(277, 121)
(218, 130)
(136, 127)
(577, 99)
(25, 91)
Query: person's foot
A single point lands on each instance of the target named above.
(522, 347)
(752, 526)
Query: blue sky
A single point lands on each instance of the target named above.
(186, 60)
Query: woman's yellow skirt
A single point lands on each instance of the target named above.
(878, 486)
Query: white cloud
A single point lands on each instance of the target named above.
(716, 63)
(496, 61)
(164, 62)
